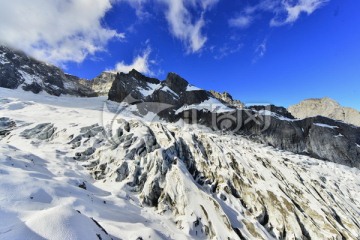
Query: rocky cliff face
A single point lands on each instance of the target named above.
(102, 83)
(226, 97)
(325, 107)
(166, 98)
(19, 70)
(272, 108)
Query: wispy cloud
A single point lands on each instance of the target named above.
(138, 5)
(185, 26)
(56, 31)
(294, 10)
(226, 50)
(241, 21)
(285, 11)
(141, 63)
(260, 50)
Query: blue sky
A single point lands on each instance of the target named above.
(268, 51)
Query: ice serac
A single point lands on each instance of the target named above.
(326, 107)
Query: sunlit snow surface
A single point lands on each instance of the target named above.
(40, 195)
(42, 180)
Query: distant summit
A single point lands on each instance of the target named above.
(326, 107)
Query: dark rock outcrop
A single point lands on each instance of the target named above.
(176, 83)
(43, 131)
(19, 70)
(135, 87)
(319, 137)
(6, 125)
(272, 108)
(130, 86)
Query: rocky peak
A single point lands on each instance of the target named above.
(139, 76)
(174, 92)
(102, 83)
(326, 107)
(176, 83)
(19, 70)
(223, 95)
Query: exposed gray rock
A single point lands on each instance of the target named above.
(318, 137)
(272, 108)
(227, 98)
(19, 70)
(6, 125)
(102, 83)
(130, 86)
(172, 93)
(43, 131)
(176, 83)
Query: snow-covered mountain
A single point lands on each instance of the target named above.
(17, 70)
(165, 160)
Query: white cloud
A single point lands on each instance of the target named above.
(226, 50)
(56, 31)
(285, 11)
(294, 10)
(182, 23)
(207, 4)
(141, 63)
(242, 21)
(138, 5)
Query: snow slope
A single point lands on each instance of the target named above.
(80, 168)
(40, 180)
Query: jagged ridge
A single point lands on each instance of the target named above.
(19, 70)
